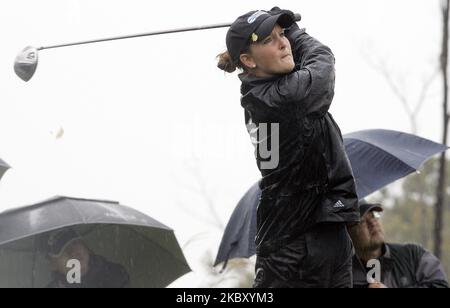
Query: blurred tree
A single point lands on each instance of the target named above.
(413, 109)
(441, 187)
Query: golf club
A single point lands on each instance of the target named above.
(27, 60)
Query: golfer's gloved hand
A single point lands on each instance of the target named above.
(277, 10)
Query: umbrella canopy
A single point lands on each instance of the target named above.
(244, 216)
(145, 248)
(3, 167)
(378, 157)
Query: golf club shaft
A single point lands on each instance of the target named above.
(214, 26)
(139, 35)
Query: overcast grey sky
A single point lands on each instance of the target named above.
(151, 121)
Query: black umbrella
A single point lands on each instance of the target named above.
(378, 157)
(3, 167)
(145, 248)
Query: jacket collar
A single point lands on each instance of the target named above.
(385, 252)
(250, 81)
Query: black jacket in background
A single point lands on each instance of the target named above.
(404, 266)
(311, 150)
(101, 274)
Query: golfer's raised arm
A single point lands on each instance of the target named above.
(312, 83)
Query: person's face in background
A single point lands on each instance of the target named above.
(369, 234)
(271, 56)
(76, 250)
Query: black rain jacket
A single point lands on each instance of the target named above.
(307, 156)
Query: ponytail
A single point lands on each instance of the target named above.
(225, 63)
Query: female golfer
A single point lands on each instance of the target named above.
(308, 190)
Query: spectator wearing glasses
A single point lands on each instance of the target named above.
(400, 265)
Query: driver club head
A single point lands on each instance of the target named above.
(26, 63)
